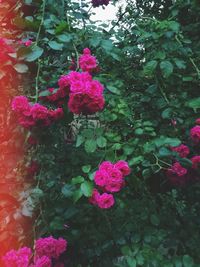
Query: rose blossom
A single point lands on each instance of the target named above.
(50, 247)
(182, 150)
(95, 196)
(195, 134)
(123, 167)
(177, 169)
(105, 201)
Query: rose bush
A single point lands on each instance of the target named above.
(103, 103)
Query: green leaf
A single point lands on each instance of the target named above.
(80, 139)
(180, 63)
(87, 188)
(150, 67)
(78, 180)
(113, 89)
(67, 190)
(178, 263)
(131, 262)
(185, 162)
(101, 142)
(107, 45)
(21, 68)
(65, 38)
(95, 41)
(77, 195)
(56, 46)
(164, 152)
(126, 250)
(63, 25)
(90, 146)
(194, 103)
(167, 113)
(166, 68)
(44, 93)
(136, 160)
(86, 168)
(139, 131)
(187, 261)
(35, 54)
(174, 26)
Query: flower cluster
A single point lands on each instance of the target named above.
(47, 253)
(87, 62)
(50, 247)
(179, 175)
(86, 94)
(182, 150)
(110, 179)
(19, 258)
(34, 115)
(97, 3)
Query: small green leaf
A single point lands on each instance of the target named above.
(64, 38)
(126, 250)
(166, 68)
(139, 131)
(167, 113)
(90, 146)
(194, 103)
(131, 262)
(21, 68)
(80, 139)
(78, 180)
(185, 162)
(67, 190)
(87, 188)
(136, 160)
(180, 63)
(150, 67)
(101, 142)
(107, 45)
(187, 261)
(56, 46)
(164, 152)
(77, 195)
(113, 89)
(86, 168)
(34, 54)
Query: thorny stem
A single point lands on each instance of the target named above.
(36, 43)
(41, 22)
(162, 91)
